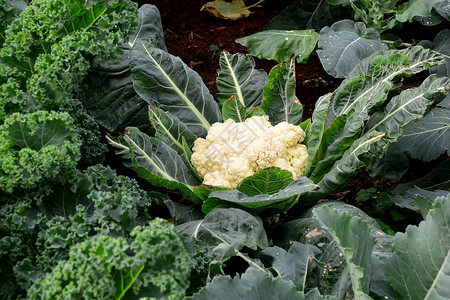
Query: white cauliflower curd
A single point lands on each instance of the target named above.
(232, 151)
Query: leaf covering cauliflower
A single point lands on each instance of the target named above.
(232, 151)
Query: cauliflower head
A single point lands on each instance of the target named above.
(232, 151)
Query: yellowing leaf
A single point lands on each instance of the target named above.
(234, 10)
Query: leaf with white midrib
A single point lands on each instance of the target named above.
(420, 265)
(165, 81)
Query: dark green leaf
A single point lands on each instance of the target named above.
(262, 203)
(238, 77)
(268, 181)
(166, 82)
(343, 45)
(420, 265)
(279, 101)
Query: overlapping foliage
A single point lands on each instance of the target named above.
(72, 228)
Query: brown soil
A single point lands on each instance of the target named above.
(189, 33)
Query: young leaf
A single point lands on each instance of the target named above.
(238, 77)
(268, 181)
(261, 203)
(420, 265)
(171, 130)
(233, 109)
(280, 45)
(156, 162)
(165, 81)
(279, 100)
(352, 237)
(343, 45)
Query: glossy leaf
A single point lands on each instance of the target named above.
(420, 265)
(238, 77)
(166, 82)
(155, 161)
(280, 45)
(343, 45)
(279, 101)
(262, 203)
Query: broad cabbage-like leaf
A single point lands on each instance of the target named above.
(225, 231)
(238, 77)
(268, 181)
(312, 14)
(292, 264)
(271, 204)
(429, 137)
(166, 82)
(415, 8)
(155, 161)
(280, 45)
(343, 45)
(279, 101)
(108, 92)
(253, 284)
(171, 130)
(36, 147)
(420, 265)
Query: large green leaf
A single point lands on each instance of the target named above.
(261, 203)
(108, 94)
(354, 100)
(156, 162)
(279, 101)
(356, 157)
(280, 45)
(252, 285)
(352, 236)
(233, 109)
(409, 105)
(292, 264)
(429, 137)
(225, 231)
(238, 77)
(343, 45)
(171, 130)
(415, 8)
(312, 14)
(420, 265)
(165, 81)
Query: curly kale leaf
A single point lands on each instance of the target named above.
(154, 264)
(49, 49)
(36, 147)
(38, 230)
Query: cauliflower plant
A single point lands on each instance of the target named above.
(233, 151)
